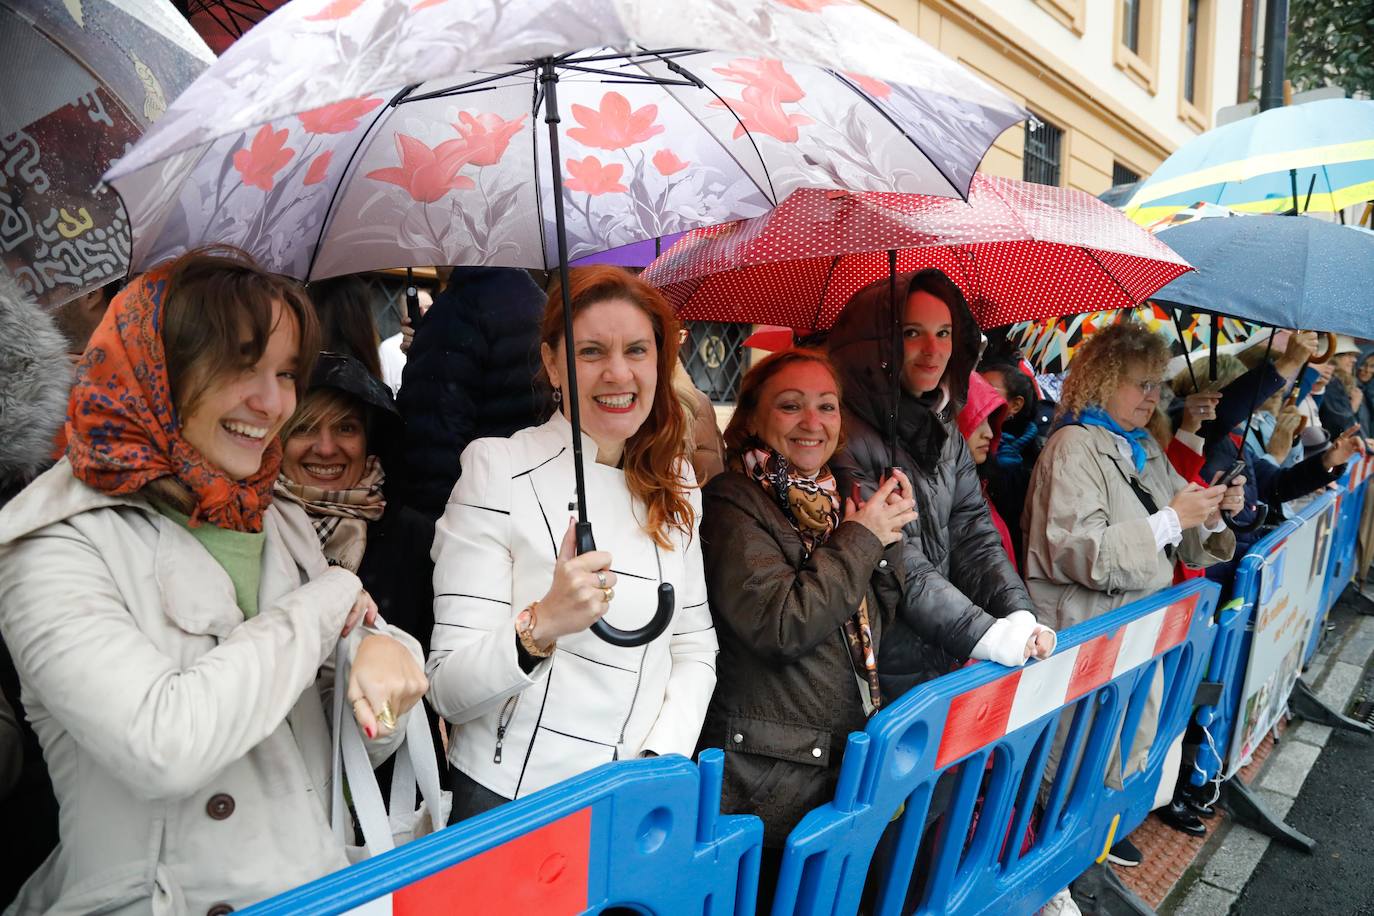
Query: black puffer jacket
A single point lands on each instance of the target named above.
(470, 374)
(786, 694)
(958, 575)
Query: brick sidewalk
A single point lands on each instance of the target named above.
(1168, 853)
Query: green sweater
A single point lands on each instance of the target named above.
(239, 552)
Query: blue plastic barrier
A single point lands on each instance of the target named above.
(1231, 654)
(642, 833)
(1354, 487)
(989, 732)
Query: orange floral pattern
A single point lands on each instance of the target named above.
(319, 168)
(260, 162)
(426, 174)
(614, 125)
(667, 162)
(339, 118)
(486, 136)
(591, 177)
(336, 9)
(760, 111)
(765, 74)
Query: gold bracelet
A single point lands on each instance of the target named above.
(524, 628)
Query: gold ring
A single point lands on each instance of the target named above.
(608, 594)
(385, 717)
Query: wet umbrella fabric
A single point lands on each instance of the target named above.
(1017, 250)
(1257, 164)
(108, 69)
(343, 135)
(1282, 271)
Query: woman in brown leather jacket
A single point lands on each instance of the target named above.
(800, 591)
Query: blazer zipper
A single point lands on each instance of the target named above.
(503, 721)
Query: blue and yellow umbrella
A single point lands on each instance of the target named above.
(1319, 153)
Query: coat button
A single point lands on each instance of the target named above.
(219, 807)
(882, 564)
(739, 739)
(219, 909)
(815, 752)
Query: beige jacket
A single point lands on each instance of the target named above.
(189, 749)
(1089, 546)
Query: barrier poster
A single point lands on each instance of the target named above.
(1290, 594)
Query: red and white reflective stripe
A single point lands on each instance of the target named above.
(988, 713)
(1360, 471)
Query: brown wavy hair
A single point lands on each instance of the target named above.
(1101, 363)
(656, 453)
(751, 391)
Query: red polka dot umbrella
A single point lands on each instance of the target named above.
(1018, 251)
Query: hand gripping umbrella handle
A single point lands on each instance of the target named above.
(1330, 351)
(1261, 513)
(628, 639)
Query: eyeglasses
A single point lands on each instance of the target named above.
(1148, 386)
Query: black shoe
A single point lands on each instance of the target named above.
(1199, 807)
(1180, 817)
(1124, 853)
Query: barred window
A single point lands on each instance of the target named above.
(1041, 161)
(715, 357)
(1122, 174)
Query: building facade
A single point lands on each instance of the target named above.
(1116, 85)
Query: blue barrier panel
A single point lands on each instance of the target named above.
(641, 833)
(987, 733)
(1354, 486)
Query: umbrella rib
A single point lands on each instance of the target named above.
(629, 56)
(537, 102)
(462, 88)
(963, 193)
(626, 77)
(343, 175)
(825, 290)
(770, 192)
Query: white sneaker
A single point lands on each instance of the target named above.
(1061, 904)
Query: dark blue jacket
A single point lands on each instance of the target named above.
(470, 373)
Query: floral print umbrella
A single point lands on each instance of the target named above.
(108, 68)
(1017, 250)
(345, 135)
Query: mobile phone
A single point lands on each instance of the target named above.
(1231, 474)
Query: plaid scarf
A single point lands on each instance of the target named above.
(340, 517)
(812, 506)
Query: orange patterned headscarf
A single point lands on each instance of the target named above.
(122, 427)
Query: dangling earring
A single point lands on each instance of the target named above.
(558, 395)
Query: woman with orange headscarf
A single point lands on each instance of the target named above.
(534, 697)
(173, 628)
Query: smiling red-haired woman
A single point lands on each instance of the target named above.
(513, 601)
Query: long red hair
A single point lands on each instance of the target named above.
(656, 453)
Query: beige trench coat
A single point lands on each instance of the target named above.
(1089, 546)
(189, 749)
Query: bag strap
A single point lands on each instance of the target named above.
(351, 762)
(1142, 494)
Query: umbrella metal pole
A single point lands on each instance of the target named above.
(1187, 360)
(548, 80)
(898, 359)
(663, 613)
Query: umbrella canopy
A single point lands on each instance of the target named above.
(1049, 344)
(1267, 163)
(1284, 271)
(1017, 250)
(108, 69)
(344, 135)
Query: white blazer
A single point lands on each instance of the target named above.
(591, 702)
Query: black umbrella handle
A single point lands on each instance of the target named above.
(628, 639)
(1261, 513)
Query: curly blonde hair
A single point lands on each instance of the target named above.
(1102, 363)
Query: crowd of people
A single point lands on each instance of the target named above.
(209, 489)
